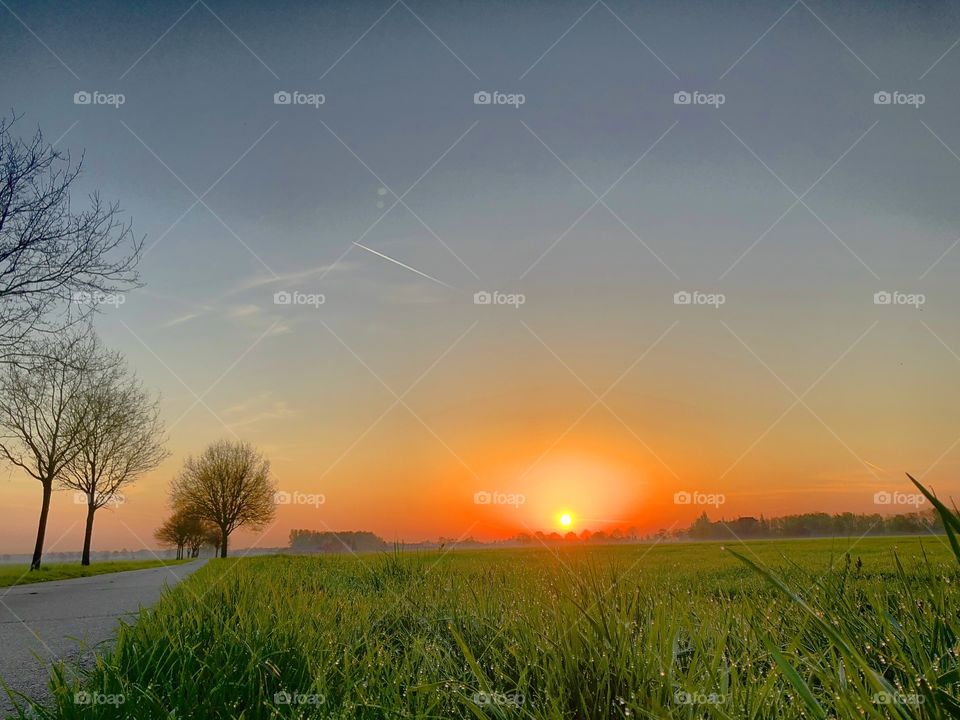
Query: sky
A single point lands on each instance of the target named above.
(585, 196)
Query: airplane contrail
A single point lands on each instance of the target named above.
(412, 269)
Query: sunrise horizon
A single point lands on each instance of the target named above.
(554, 360)
(701, 264)
(496, 516)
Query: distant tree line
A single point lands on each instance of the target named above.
(789, 526)
(815, 525)
(311, 541)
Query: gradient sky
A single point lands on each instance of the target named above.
(398, 399)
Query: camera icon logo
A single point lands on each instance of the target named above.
(282, 97)
(682, 297)
(883, 498)
(482, 497)
(482, 297)
(883, 698)
(682, 98)
(81, 698)
(282, 497)
(882, 298)
(82, 98)
(482, 98)
(282, 297)
(682, 497)
(882, 97)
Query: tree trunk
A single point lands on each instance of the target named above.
(223, 542)
(42, 528)
(88, 535)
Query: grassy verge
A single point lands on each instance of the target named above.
(19, 575)
(612, 632)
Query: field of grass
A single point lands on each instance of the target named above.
(637, 631)
(19, 575)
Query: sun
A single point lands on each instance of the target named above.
(566, 520)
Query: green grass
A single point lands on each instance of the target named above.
(670, 631)
(20, 575)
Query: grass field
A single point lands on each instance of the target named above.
(667, 631)
(20, 575)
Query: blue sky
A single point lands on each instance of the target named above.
(598, 199)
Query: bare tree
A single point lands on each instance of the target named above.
(204, 534)
(56, 262)
(40, 431)
(167, 535)
(121, 438)
(179, 530)
(212, 537)
(228, 485)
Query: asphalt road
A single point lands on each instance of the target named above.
(68, 619)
